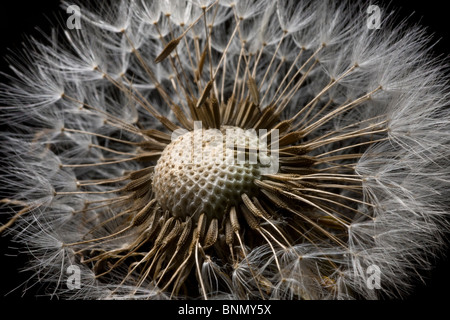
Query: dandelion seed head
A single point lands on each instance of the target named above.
(136, 153)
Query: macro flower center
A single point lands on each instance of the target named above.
(206, 171)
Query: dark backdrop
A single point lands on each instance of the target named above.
(20, 18)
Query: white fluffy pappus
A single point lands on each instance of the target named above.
(363, 176)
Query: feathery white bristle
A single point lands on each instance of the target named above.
(67, 95)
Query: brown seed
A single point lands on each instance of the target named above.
(211, 234)
(157, 135)
(167, 123)
(205, 93)
(291, 138)
(201, 63)
(167, 50)
(144, 214)
(179, 114)
(185, 234)
(137, 183)
(233, 219)
(229, 234)
(253, 88)
(164, 232)
(250, 218)
(214, 106)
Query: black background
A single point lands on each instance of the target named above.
(18, 19)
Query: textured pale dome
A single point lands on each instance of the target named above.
(197, 173)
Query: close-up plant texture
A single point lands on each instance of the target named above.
(348, 121)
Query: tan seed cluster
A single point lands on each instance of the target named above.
(199, 174)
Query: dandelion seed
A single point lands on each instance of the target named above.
(141, 149)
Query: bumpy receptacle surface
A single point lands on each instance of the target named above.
(200, 172)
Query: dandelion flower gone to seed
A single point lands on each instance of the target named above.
(227, 149)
